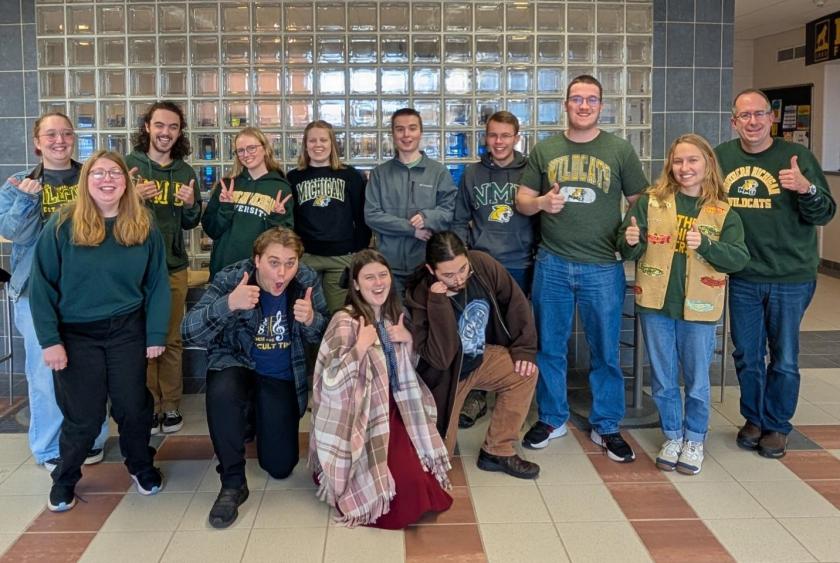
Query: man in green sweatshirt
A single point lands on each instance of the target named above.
(781, 194)
(169, 187)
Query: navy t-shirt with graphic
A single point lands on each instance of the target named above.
(472, 311)
(271, 351)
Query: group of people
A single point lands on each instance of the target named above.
(412, 330)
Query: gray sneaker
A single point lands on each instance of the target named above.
(691, 458)
(669, 455)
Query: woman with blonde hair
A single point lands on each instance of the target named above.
(685, 240)
(100, 302)
(252, 200)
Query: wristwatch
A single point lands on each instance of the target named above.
(812, 190)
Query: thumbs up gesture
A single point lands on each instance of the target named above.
(148, 189)
(187, 193)
(365, 337)
(553, 201)
(792, 178)
(280, 204)
(693, 238)
(304, 313)
(632, 234)
(398, 332)
(225, 193)
(244, 297)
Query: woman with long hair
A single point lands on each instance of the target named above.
(685, 240)
(376, 453)
(100, 303)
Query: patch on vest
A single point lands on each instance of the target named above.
(714, 210)
(575, 194)
(713, 282)
(655, 238)
(637, 289)
(699, 306)
(500, 214)
(651, 271)
(709, 230)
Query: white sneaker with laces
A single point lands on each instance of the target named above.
(668, 455)
(691, 458)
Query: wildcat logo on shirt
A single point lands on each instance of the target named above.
(321, 191)
(747, 184)
(53, 197)
(272, 333)
(575, 194)
(580, 168)
(501, 214)
(321, 201)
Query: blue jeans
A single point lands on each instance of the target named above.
(768, 315)
(523, 278)
(44, 416)
(598, 292)
(671, 343)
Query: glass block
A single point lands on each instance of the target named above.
(172, 18)
(457, 16)
(519, 80)
(207, 178)
(639, 19)
(362, 81)
(610, 50)
(480, 143)
(205, 113)
(640, 139)
(235, 18)
(85, 146)
(550, 80)
(394, 49)
(141, 18)
(458, 113)
(332, 111)
(430, 144)
(520, 48)
(115, 142)
(333, 80)
(276, 142)
(205, 82)
(610, 18)
(458, 144)
(82, 52)
(137, 109)
(80, 20)
(50, 20)
(610, 112)
(611, 79)
(551, 17)
(83, 114)
(363, 146)
(362, 17)
(572, 72)
(204, 50)
(330, 50)
(457, 80)
(330, 16)
(489, 48)
(237, 82)
(551, 49)
(207, 145)
(581, 49)
(300, 113)
(299, 49)
(204, 17)
(363, 113)
(386, 145)
(580, 19)
(294, 144)
(390, 106)
(114, 115)
(393, 16)
(394, 81)
(143, 82)
(83, 83)
(269, 113)
(520, 17)
(299, 81)
(48, 107)
(173, 50)
(268, 50)
(426, 48)
(298, 17)
(110, 19)
(489, 16)
(638, 111)
(268, 18)
(639, 50)
(549, 112)
(51, 52)
(638, 80)
(52, 84)
(141, 51)
(236, 113)
(457, 49)
(426, 80)
(524, 143)
(112, 83)
(341, 145)
(425, 16)
(522, 110)
(269, 81)
(488, 80)
(111, 52)
(236, 50)
(174, 83)
(429, 111)
(363, 49)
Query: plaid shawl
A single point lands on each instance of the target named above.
(348, 444)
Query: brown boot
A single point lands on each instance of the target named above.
(772, 445)
(748, 436)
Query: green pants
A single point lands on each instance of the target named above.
(330, 269)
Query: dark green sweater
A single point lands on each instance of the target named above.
(78, 284)
(729, 254)
(780, 226)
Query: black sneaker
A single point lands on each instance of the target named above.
(156, 420)
(172, 422)
(541, 433)
(475, 406)
(513, 465)
(93, 457)
(226, 508)
(149, 482)
(614, 446)
(62, 498)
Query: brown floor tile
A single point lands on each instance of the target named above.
(85, 517)
(185, 447)
(682, 541)
(433, 544)
(813, 465)
(830, 490)
(104, 478)
(456, 475)
(642, 470)
(49, 548)
(461, 511)
(827, 436)
(643, 501)
(582, 436)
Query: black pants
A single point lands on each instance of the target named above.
(230, 392)
(105, 359)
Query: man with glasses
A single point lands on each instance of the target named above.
(781, 195)
(576, 181)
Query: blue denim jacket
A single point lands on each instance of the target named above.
(20, 223)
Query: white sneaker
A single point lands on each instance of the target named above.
(669, 455)
(691, 458)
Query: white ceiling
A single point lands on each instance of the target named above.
(757, 18)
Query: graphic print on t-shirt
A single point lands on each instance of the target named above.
(751, 187)
(53, 197)
(321, 191)
(573, 170)
(273, 333)
(253, 203)
(472, 325)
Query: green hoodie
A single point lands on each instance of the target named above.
(235, 226)
(170, 214)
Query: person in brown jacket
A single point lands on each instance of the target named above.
(473, 329)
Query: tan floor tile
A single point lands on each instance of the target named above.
(758, 541)
(820, 536)
(301, 478)
(254, 474)
(580, 503)
(598, 542)
(17, 511)
(832, 409)
(6, 540)
(291, 509)
(747, 466)
(182, 476)
(28, 479)
(720, 441)
(716, 419)
(299, 545)
(357, 545)
(479, 478)
(712, 472)
(470, 440)
(432, 544)
(791, 499)
(194, 403)
(194, 425)
(721, 500)
(153, 513)
(508, 505)
(14, 448)
(6, 470)
(730, 408)
(206, 546)
(52, 548)
(819, 391)
(650, 439)
(522, 543)
(195, 518)
(835, 453)
(806, 413)
(567, 468)
(145, 546)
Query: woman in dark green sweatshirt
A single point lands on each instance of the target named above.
(255, 198)
(100, 304)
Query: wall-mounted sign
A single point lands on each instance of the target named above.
(822, 39)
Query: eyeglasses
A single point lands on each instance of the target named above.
(593, 101)
(503, 136)
(745, 116)
(63, 134)
(100, 173)
(250, 149)
(456, 279)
